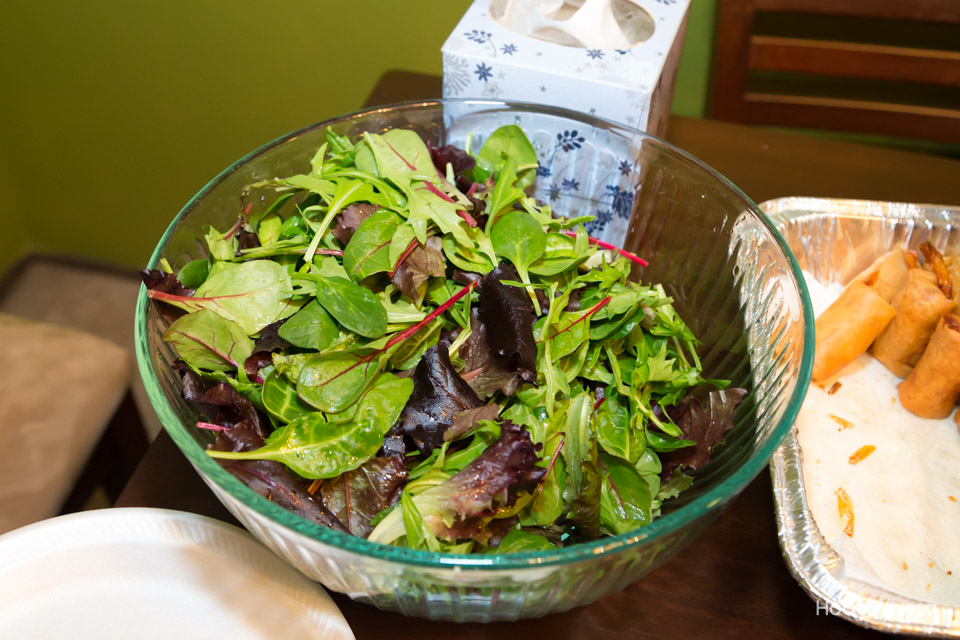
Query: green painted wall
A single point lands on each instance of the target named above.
(113, 113)
(693, 76)
(14, 240)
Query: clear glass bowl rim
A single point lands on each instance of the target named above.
(659, 528)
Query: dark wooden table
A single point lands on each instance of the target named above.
(732, 581)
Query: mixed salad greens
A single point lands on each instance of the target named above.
(402, 345)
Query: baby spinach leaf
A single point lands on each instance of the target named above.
(209, 341)
(194, 273)
(625, 500)
(251, 294)
(268, 231)
(519, 541)
(614, 431)
(508, 141)
(355, 307)
(562, 253)
(504, 193)
(279, 397)
(369, 249)
(309, 328)
(331, 382)
(293, 226)
(520, 239)
(315, 448)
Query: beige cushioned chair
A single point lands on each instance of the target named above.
(60, 387)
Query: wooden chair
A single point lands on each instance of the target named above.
(872, 86)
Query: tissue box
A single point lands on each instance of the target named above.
(482, 59)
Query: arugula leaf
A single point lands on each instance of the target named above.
(578, 445)
(208, 341)
(505, 192)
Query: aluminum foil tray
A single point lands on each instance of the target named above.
(834, 240)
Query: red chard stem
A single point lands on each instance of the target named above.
(610, 247)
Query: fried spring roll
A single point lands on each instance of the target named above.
(919, 307)
(848, 327)
(888, 274)
(932, 387)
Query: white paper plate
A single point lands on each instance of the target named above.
(154, 573)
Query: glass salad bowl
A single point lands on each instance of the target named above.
(733, 279)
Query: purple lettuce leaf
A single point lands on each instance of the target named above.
(222, 404)
(439, 393)
(466, 420)
(157, 280)
(706, 426)
(357, 496)
(461, 506)
(485, 373)
(350, 218)
(460, 161)
(246, 240)
(268, 342)
(508, 315)
(495, 477)
(424, 262)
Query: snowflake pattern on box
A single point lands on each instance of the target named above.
(456, 74)
(483, 72)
